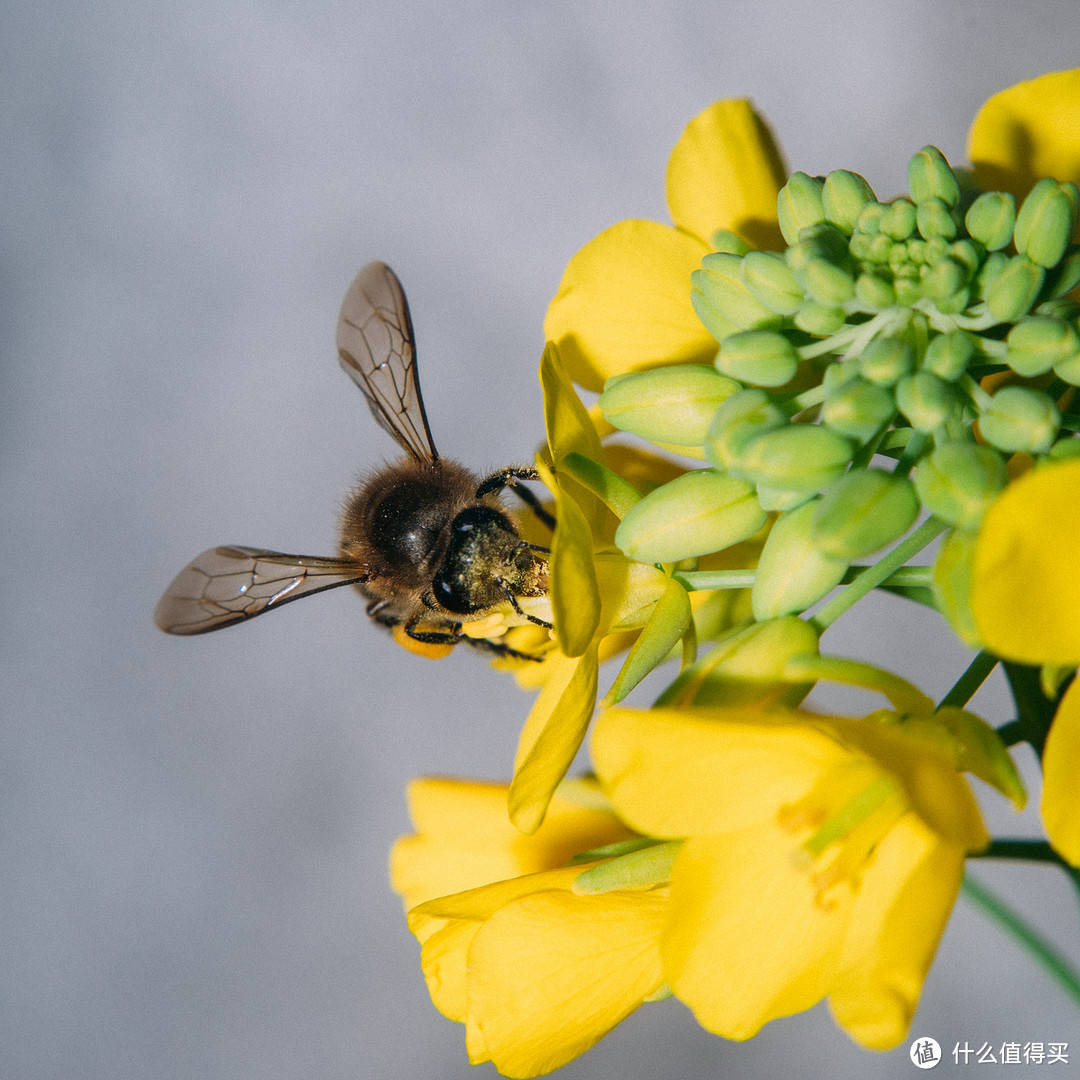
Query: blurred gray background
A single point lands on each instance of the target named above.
(194, 832)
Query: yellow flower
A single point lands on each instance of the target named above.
(1026, 132)
(535, 972)
(822, 859)
(1025, 591)
(1061, 767)
(463, 838)
(624, 300)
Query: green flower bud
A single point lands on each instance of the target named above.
(968, 254)
(694, 514)
(819, 320)
(927, 401)
(758, 357)
(771, 282)
(929, 176)
(799, 205)
(1046, 222)
(898, 221)
(739, 420)
(798, 457)
(1068, 369)
(952, 583)
(1065, 449)
(948, 355)
(858, 409)
(958, 481)
(995, 262)
(907, 291)
(822, 241)
(667, 405)
(720, 283)
(886, 360)
(991, 219)
(1064, 277)
(830, 285)
(793, 572)
(727, 241)
(843, 196)
(862, 512)
(1012, 291)
(943, 280)
(1019, 418)
(1036, 344)
(709, 315)
(934, 218)
(873, 250)
(777, 500)
(870, 216)
(875, 292)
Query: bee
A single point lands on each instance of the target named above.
(426, 541)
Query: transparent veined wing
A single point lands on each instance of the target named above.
(376, 347)
(227, 585)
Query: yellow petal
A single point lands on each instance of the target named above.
(575, 596)
(1025, 591)
(673, 773)
(1061, 768)
(547, 760)
(747, 941)
(1027, 132)
(465, 838)
(552, 973)
(624, 304)
(569, 427)
(725, 173)
(906, 893)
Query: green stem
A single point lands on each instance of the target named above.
(1021, 931)
(879, 573)
(976, 674)
(1035, 711)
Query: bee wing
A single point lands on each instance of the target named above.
(375, 344)
(226, 585)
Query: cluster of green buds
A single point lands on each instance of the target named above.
(936, 330)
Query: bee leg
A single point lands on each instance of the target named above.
(377, 611)
(509, 477)
(517, 607)
(499, 649)
(450, 636)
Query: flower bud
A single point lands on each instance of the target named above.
(739, 420)
(694, 514)
(1019, 418)
(1046, 222)
(858, 409)
(1038, 343)
(898, 221)
(843, 196)
(943, 280)
(667, 405)
(726, 240)
(875, 292)
(862, 512)
(720, 326)
(929, 176)
(886, 360)
(759, 357)
(869, 222)
(793, 572)
(927, 401)
(830, 285)
(799, 205)
(958, 481)
(721, 285)
(952, 584)
(969, 254)
(995, 262)
(1064, 277)
(948, 355)
(1068, 370)
(991, 218)
(1012, 291)
(1064, 449)
(934, 218)
(770, 280)
(818, 320)
(797, 457)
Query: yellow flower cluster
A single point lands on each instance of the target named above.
(732, 849)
